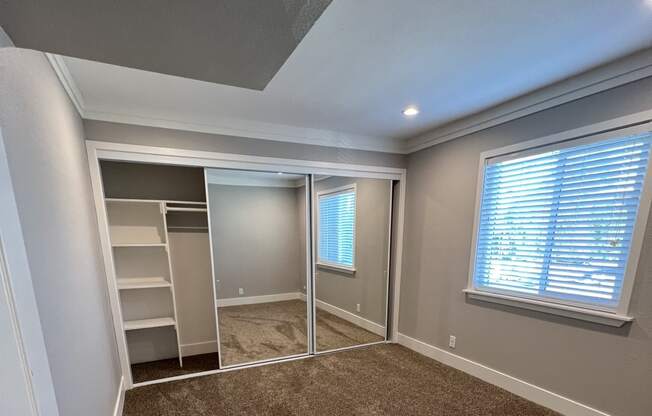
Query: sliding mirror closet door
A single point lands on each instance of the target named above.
(258, 235)
(352, 238)
(158, 229)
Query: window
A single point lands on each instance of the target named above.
(336, 228)
(556, 224)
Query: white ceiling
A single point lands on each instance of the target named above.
(365, 60)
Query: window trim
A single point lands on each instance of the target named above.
(327, 264)
(617, 316)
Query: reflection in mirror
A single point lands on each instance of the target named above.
(259, 246)
(352, 223)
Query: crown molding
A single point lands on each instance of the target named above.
(628, 69)
(229, 127)
(68, 83)
(262, 131)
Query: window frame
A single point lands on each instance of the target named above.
(324, 263)
(616, 316)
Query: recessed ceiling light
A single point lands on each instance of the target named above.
(410, 111)
(279, 173)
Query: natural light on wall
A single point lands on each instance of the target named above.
(557, 224)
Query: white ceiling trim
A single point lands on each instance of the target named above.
(614, 74)
(67, 81)
(263, 131)
(232, 127)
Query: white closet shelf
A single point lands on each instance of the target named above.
(167, 201)
(142, 283)
(139, 244)
(148, 323)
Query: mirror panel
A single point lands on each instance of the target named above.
(352, 225)
(257, 225)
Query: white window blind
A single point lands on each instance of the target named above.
(557, 225)
(337, 228)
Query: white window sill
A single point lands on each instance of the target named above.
(343, 269)
(604, 318)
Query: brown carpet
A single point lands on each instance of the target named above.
(258, 332)
(278, 329)
(168, 368)
(378, 380)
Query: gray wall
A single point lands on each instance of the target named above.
(148, 181)
(606, 368)
(153, 136)
(45, 146)
(368, 285)
(255, 245)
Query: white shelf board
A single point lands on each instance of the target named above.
(142, 283)
(139, 244)
(154, 201)
(148, 323)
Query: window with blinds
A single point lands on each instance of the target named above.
(557, 224)
(336, 228)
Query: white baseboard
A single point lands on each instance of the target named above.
(351, 317)
(339, 312)
(120, 400)
(514, 385)
(250, 300)
(197, 348)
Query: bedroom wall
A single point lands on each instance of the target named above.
(44, 140)
(606, 368)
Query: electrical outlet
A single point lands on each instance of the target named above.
(240, 291)
(451, 341)
(304, 288)
(357, 307)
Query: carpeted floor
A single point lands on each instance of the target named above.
(258, 332)
(383, 379)
(278, 329)
(169, 368)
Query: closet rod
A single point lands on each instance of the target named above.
(186, 209)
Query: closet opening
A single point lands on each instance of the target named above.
(243, 263)
(158, 229)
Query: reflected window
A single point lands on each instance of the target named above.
(336, 227)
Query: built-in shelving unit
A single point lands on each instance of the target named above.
(139, 237)
(138, 230)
